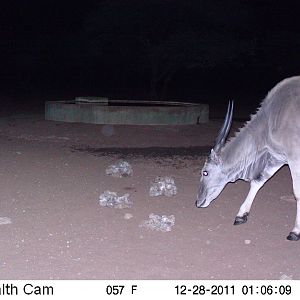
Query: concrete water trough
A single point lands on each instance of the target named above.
(103, 111)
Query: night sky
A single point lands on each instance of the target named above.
(186, 50)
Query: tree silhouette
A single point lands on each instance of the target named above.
(164, 37)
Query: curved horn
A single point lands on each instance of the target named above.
(225, 128)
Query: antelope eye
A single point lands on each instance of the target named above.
(205, 173)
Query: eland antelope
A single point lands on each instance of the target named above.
(268, 141)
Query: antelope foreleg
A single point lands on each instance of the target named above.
(295, 233)
(271, 168)
(244, 210)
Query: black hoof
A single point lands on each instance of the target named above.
(293, 236)
(241, 220)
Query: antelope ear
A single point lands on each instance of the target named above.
(215, 157)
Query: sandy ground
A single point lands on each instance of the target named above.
(51, 176)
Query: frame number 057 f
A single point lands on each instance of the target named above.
(119, 289)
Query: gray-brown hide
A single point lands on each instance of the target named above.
(268, 141)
